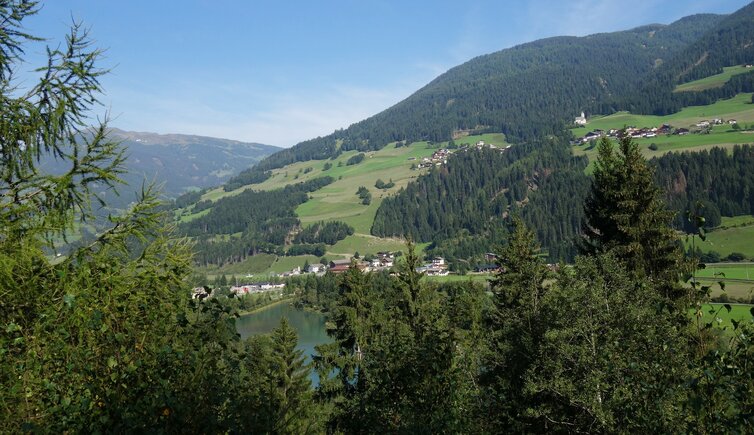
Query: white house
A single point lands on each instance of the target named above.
(316, 268)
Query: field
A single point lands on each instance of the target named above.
(738, 312)
(728, 271)
(738, 108)
(260, 266)
(728, 240)
(714, 81)
(475, 277)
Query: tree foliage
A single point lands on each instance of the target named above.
(625, 215)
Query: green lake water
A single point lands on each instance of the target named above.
(309, 326)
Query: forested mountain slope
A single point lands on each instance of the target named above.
(730, 42)
(525, 91)
(461, 208)
(178, 162)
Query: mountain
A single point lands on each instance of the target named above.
(526, 91)
(730, 42)
(180, 162)
(183, 161)
(524, 97)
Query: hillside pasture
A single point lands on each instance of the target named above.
(738, 108)
(497, 139)
(713, 81)
(728, 240)
(742, 271)
(718, 314)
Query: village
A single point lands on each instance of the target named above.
(440, 157)
(701, 127)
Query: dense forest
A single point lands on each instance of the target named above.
(721, 182)
(459, 207)
(726, 44)
(324, 232)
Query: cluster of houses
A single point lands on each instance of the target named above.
(382, 261)
(246, 289)
(646, 132)
(438, 267)
(482, 144)
(439, 158)
(238, 290)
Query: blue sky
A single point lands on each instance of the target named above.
(279, 72)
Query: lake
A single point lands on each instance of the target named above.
(309, 326)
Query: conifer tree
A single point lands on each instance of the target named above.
(515, 327)
(625, 215)
(291, 394)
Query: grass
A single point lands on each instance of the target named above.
(728, 240)
(721, 136)
(718, 313)
(476, 277)
(714, 81)
(728, 271)
(259, 265)
(497, 139)
(183, 215)
(255, 264)
(735, 221)
(365, 244)
(738, 108)
(338, 200)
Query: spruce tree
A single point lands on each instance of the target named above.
(290, 392)
(515, 328)
(625, 215)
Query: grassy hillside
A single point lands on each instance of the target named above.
(338, 201)
(739, 108)
(713, 81)
(733, 235)
(728, 271)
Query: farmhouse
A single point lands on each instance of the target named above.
(315, 268)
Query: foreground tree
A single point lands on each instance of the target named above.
(608, 360)
(626, 217)
(105, 338)
(515, 326)
(81, 335)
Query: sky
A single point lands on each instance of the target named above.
(279, 72)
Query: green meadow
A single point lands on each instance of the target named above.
(475, 277)
(728, 240)
(723, 136)
(738, 108)
(743, 271)
(714, 81)
(338, 200)
(720, 315)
